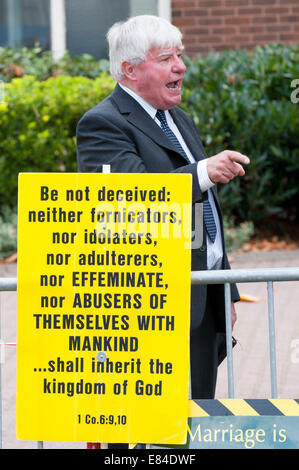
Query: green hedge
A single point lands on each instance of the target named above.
(16, 63)
(38, 125)
(238, 100)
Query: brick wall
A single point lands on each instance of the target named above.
(215, 25)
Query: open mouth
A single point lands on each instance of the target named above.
(174, 85)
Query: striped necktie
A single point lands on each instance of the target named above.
(207, 209)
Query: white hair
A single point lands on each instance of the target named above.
(132, 40)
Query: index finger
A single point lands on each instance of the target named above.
(238, 157)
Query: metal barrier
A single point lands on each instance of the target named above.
(226, 277)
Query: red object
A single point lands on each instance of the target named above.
(93, 445)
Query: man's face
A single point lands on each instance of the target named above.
(159, 78)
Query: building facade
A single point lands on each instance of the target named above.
(216, 25)
(207, 25)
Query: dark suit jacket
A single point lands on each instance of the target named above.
(119, 132)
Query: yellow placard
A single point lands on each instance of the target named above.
(103, 307)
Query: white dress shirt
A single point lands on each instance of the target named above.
(214, 250)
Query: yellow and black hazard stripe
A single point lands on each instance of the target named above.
(241, 407)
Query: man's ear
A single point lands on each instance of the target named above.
(128, 70)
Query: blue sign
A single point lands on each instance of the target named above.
(243, 432)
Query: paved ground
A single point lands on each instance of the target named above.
(251, 355)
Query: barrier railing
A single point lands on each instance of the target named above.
(226, 277)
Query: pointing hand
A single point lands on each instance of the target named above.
(226, 165)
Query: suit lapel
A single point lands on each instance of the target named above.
(189, 136)
(137, 116)
(192, 140)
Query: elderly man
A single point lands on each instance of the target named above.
(139, 128)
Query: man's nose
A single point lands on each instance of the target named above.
(179, 66)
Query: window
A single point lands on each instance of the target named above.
(88, 22)
(76, 25)
(24, 23)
